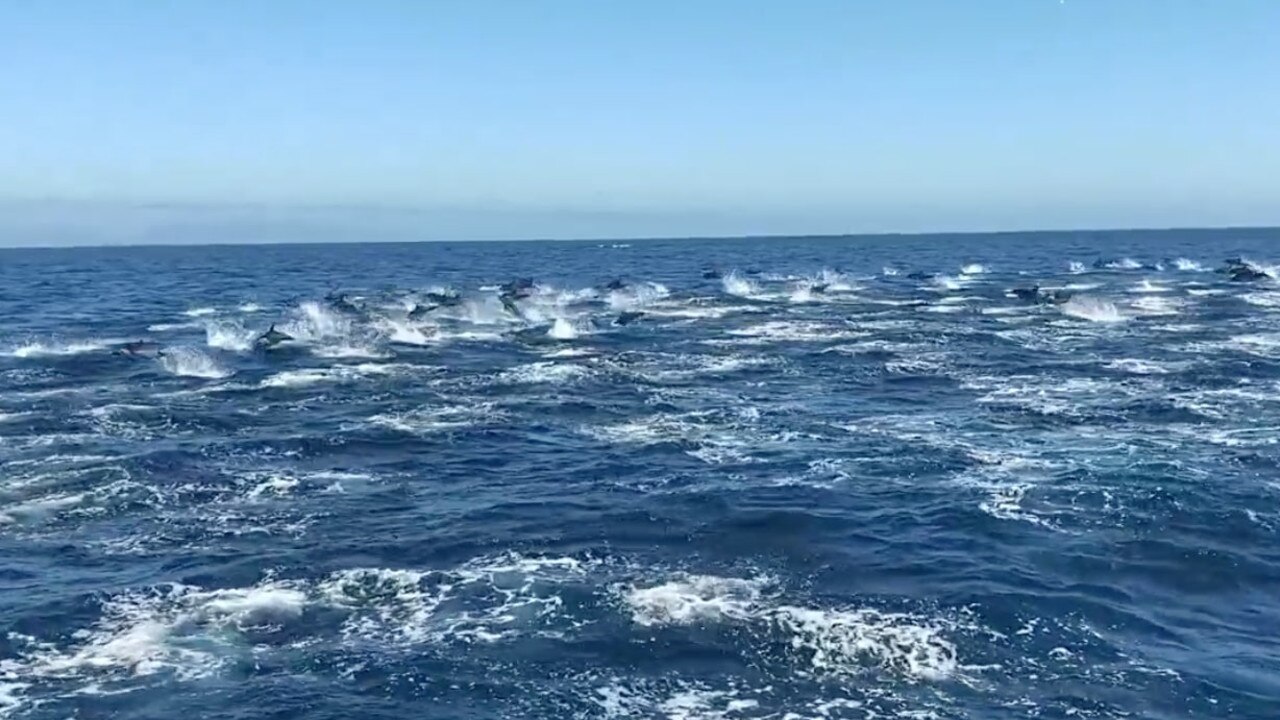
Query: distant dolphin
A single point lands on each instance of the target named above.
(628, 317)
(921, 275)
(616, 284)
(519, 288)
(271, 338)
(820, 288)
(142, 348)
(444, 299)
(711, 275)
(342, 303)
(1027, 294)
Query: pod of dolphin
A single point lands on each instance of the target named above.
(510, 295)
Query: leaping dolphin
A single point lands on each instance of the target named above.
(271, 338)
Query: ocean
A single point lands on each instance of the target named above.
(780, 478)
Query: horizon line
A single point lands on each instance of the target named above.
(668, 238)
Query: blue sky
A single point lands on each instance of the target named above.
(557, 118)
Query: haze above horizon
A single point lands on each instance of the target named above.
(138, 121)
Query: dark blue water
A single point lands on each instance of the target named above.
(817, 488)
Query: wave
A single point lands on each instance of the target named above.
(544, 373)
(838, 642)
(189, 362)
(171, 327)
(1146, 286)
(1092, 309)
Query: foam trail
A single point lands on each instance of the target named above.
(1093, 309)
(37, 349)
(735, 284)
(189, 362)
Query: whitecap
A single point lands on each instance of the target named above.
(201, 312)
(250, 308)
(1146, 286)
(1076, 268)
(973, 269)
(1186, 265)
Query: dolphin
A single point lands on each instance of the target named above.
(420, 311)
(1026, 294)
(616, 284)
(509, 304)
(921, 275)
(271, 338)
(711, 275)
(820, 288)
(1240, 270)
(342, 303)
(519, 288)
(628, 317)
(141, 348)
(444, 299)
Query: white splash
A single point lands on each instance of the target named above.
(1075, 267)
(229, 335)
(189, 362)
(637, 296)
(1187, 265)
(735, 284)
(201, 312)
(562, 329)
(973, 269)
(1092, 309)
